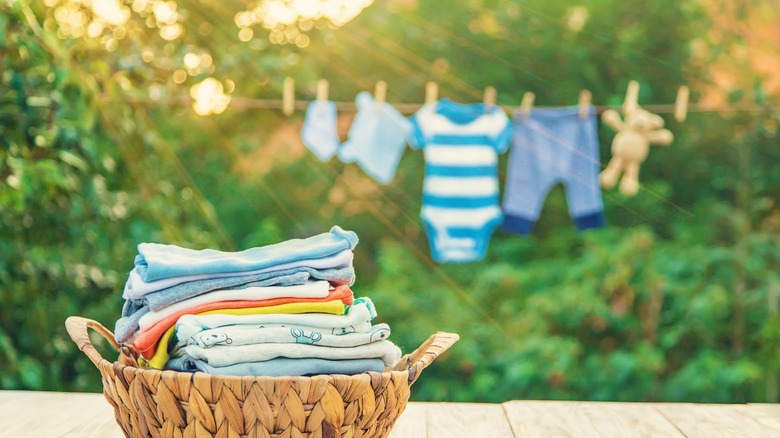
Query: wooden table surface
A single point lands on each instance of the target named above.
(54, 414)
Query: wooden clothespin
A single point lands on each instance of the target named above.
(380, 93)
(527, 103)
(431, 93)
(288, 96)
(322, 90)
(681, 103)
(489, 97)
(632, 96)
(584, 103)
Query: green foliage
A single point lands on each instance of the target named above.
(623, 316)
(677, 299)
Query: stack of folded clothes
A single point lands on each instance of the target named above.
(279, 310)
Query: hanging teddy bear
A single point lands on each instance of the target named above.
(631, 145)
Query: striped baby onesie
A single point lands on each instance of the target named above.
(460, 205)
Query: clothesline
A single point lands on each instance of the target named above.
(248, 103)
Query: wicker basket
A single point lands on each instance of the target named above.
(152, 403)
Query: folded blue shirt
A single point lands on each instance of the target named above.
(157, 261)
(172, 295)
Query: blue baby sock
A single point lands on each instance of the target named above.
(319, 129)
(376, 139)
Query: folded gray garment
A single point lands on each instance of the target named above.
(280, 367)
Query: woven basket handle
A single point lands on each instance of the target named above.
(77, 329)
(426, 353)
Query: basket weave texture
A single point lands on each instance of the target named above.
(153, 403)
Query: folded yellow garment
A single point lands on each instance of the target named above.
(334, 307)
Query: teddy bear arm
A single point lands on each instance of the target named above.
(612, 119)
(660, 137)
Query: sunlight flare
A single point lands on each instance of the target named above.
(209, 97)
(288, 19)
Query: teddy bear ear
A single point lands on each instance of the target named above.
(652, 121)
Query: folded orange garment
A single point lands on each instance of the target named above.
(146, 342)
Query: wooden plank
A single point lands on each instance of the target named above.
(43, 414)
(50, 414)
(711, 421)
(467, 420)
(34, 412)
(413, 422)
(100, 422)
(7, 399)
(99, 425)
(767, 415)
(548, 419)
(627, 420)
(53, 414)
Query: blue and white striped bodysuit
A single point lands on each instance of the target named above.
(460, 205)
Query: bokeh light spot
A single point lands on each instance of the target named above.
(288, 19)
(191, 60)
(179, 76)
(209, 97)
(147, 55)
(245, 34)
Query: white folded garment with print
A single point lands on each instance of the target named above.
(286, 334)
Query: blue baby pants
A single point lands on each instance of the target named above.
(553, 145)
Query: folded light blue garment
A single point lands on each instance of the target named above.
(136, 288)
(280, 367)
(157, 261)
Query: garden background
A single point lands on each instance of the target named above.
(676, 299)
